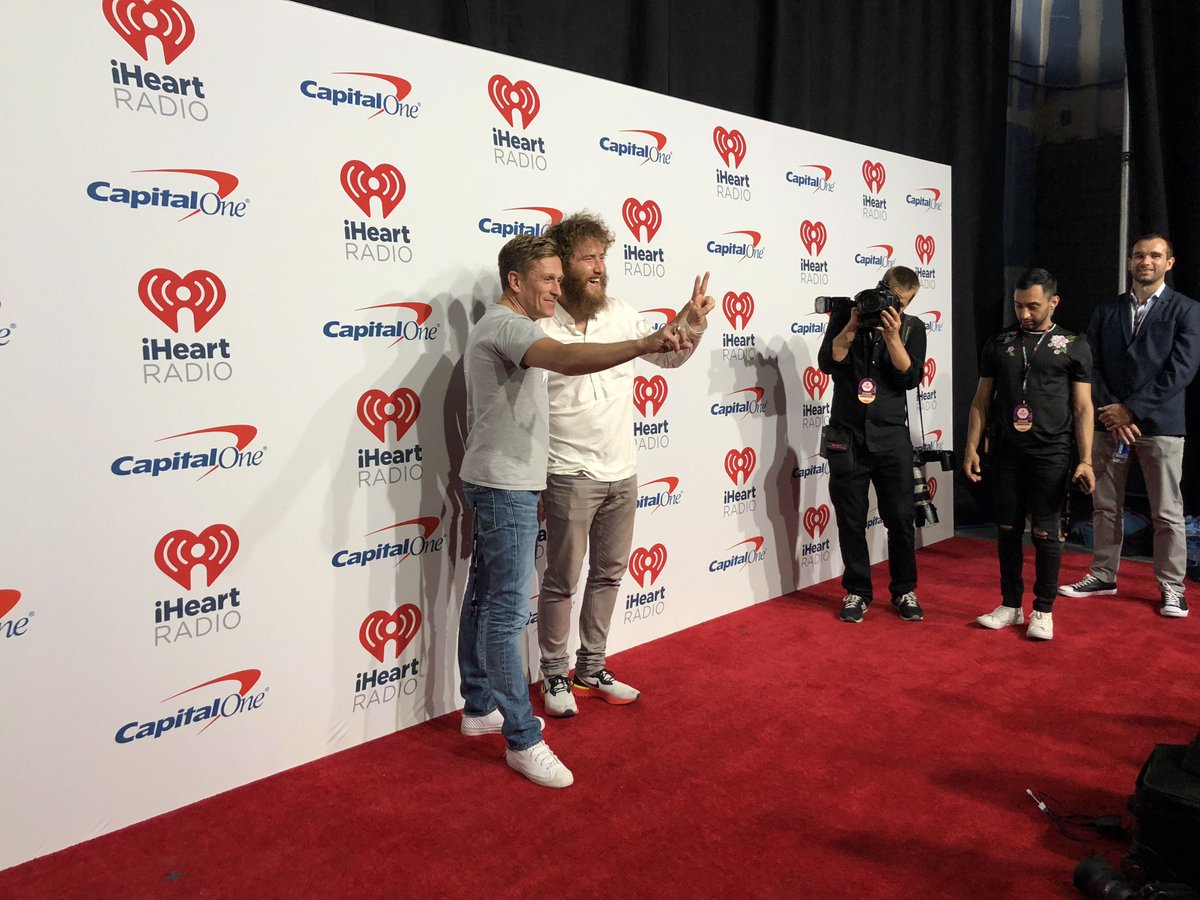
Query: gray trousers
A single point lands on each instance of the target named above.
(583, 516)
(1161, 459)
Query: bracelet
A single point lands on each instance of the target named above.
(693, 329)
(1088, 464)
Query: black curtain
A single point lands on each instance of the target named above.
(926, 78)
(1164, 103)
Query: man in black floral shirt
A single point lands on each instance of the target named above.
(1033, 414)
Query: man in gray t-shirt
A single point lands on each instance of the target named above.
(503, 470)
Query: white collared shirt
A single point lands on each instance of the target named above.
(591, 416)
(1134, 305)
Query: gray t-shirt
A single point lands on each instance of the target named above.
(508, 411)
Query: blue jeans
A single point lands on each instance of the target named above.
(495, 610)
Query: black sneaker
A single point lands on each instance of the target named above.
(1088, 586)
(1173, 605)
(908, 607)
(854, 608)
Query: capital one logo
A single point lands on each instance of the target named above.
(813, 235)
(928, 372)
(731, 146)
(511, 98)
(381, 628)
(738, 308)
(815, 382)
(874, 175)
(138, 20)
(166, 294)
(816, 520)
(376, 408)
(384, 183)
(9, 599)
(739, 464)
(180, 551)
(924, 247)
(640, 216)
(646, 564)
(649, 394)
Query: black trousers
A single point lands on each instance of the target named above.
(891, 471)
(1026, 486)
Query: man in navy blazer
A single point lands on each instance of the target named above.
(1146, 349)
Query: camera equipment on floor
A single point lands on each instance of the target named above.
(869, 303)
(1164, 861)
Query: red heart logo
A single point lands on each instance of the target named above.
(932, 482)
(649, 393)
(924, 247)
(738, 307)
(180, 551)
(384, 182)
(813, 236)
(928, 372)
(874, 175)
(815, 382)
(638, 215)
(731, 146)
(380, 628)
(376, 408)
(137, 20)
(643, 562)
(165, 293)
(740, 462)
(816, 518)
(509, 98)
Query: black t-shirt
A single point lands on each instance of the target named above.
(1056, 359)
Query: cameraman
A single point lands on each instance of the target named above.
(1035, 390)
(872, 369)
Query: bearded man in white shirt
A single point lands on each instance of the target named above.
(591, 491)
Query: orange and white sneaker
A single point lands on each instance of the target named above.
(602, 685)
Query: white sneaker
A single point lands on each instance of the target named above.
(492, 723)
(602, 684)
(539, 764)
(557, 697)
(1002, 617)
(1041, 625)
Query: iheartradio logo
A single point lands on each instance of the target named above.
(381, 628)
(874, 175)
(932, 483)
(384, 183)
(816, 520)
(649, 394)
(138, 20)
(166, 294)
(928, 372)
(376, 408)
(646, 564)
(815, 382)
(639, 216)
(509, 99)
(180, 551)
(739, 464)
(731, 146)
(924, 247)
(813, 235)
(738, 308)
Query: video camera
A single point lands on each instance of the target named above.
(869, 303)
(926, 512)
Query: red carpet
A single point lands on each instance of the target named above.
(776, 752)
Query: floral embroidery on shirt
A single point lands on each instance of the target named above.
(1060, 342)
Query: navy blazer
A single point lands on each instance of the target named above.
(1150, 371)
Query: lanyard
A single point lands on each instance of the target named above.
(1027, 359)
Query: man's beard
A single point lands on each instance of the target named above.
(582, 303)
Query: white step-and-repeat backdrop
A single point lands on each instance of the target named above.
(245, 244)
